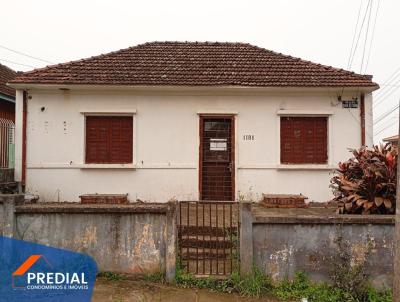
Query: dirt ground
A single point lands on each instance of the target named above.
(141, 291)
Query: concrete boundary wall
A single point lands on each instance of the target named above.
(133, 238)
(141, 238)
(285, 242)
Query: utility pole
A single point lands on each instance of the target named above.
(396, 278)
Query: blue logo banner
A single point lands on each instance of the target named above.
(34, 272)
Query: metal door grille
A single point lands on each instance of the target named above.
(216, 158)
(208, 237)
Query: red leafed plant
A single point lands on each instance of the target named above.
(366, 183)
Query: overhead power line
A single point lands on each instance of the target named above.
(12, 62)
(386, 114)
(381, 98)
(389, 79)
(24, 54)
(366, 36)
(388, 126)
(373, 35)
(354, 34)
(359, 34)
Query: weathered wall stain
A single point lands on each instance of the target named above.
(284, 249)
(126, 243)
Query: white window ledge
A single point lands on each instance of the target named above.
(305, 167)
(108, 112)
(305, 112)
(217, 112)
(107, 166)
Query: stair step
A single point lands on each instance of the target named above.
(207, 230)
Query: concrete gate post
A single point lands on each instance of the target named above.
(246, 238)
(171, 242)
(9, 202)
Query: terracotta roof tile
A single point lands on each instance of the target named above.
(6, 75)
(196, 64)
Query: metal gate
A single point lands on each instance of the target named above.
(208, 237)
(7, 130)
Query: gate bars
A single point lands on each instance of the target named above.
(208, 237)
(7, 130)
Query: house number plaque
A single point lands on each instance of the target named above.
(248, 137)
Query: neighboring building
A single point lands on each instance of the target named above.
(7, 94)
(164, 120)
(391, 139)
(7, 117)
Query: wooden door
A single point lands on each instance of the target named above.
(217, 158)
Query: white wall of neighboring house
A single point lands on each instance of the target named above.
(166, 141)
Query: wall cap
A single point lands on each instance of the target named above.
(78, 208)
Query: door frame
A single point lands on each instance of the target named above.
(233, 149)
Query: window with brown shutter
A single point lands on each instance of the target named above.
(109, 139)
(304, 140)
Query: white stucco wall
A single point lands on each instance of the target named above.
(166, 141)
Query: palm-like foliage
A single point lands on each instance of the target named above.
(366, 183)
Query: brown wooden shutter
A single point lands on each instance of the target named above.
(109, 139)
(304, 140)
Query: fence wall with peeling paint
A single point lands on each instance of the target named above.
(285, 244)
(134, 238)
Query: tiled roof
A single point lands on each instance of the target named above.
(196, 64)
(6, 75)
(393, 138)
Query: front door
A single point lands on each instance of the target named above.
(216, 158)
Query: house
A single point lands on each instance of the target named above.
(391, 139)
(7, 118)
(7, 94)
(188, 121)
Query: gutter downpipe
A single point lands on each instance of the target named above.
(24, 126)
(362, 118)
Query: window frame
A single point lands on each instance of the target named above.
(131, 114)
(304, 113)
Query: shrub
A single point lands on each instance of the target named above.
(366, 183)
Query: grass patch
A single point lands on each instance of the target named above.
(110, 276)
(254, 284)
(379, 296)
(158, 277)
(302, 287)
(257, 284)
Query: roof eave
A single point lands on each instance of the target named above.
(40, 86)
(7, 97)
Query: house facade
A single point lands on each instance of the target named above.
(188, 121)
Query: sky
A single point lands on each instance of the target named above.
(318, 30)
